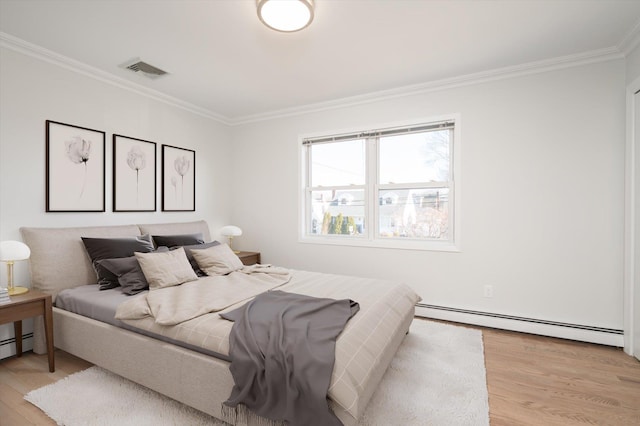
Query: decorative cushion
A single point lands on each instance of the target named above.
(109, 248)
(166, 269)
(106, 278)
(178, 240)
(112, 248)
(217, 260)
(127, 273)
(192, 261)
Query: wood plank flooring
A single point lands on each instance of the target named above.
(532, 380)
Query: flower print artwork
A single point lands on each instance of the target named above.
(136, 159)
(75, 168)
(78, 151)
(182, 167)
(134, 180)
(178, 177)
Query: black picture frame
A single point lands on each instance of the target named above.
(178, 179)
(134, 174)
(75, 168)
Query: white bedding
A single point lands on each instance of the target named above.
(383, 306)
(177, 304)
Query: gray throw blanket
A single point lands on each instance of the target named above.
(282, 349)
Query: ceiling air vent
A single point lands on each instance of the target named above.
(144, 68)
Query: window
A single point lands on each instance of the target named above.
(391, 187)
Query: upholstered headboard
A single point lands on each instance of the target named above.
(176, 228)
(59, 260)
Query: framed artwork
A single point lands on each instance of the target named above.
(134, 175)
(178, 179)
(75, 168)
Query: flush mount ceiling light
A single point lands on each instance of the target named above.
(285, 15)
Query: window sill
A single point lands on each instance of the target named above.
(444, 246)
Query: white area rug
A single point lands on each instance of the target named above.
(437, 378)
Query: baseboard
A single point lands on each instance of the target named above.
(602, 336)
(8, 346)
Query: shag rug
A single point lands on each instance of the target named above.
(437, 378)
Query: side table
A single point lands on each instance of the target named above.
(31, 304)
(249, 257)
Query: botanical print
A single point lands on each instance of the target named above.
(178, 177)
(134, 174)
(136, 159)
(75, 168)
(181, 165)
(78, 151)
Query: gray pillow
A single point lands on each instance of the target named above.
(106, 278)
(178, 240)
(127, 272)
(110, 248)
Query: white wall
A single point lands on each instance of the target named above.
(632, 267)
(542, 182)
(542, 195)
(33, 91)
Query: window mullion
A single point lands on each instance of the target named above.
(372, 188)
(308, 192)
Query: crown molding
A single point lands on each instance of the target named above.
(563, 62)
(547, 65)
(38, 52)
(630, 41)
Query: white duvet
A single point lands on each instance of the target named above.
(177, 304)
(362, 349)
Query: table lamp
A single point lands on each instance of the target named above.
(10, 252)
(231, 231)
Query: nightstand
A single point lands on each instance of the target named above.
(249, 257)
(31, 304)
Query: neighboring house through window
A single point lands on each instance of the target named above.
(388, 187)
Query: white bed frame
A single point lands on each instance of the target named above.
(58, 261)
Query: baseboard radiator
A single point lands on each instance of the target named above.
(584, 333)
(8, 346)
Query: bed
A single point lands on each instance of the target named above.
(194, 375)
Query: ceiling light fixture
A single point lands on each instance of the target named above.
(285, 15)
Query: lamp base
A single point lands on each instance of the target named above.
(18, 290)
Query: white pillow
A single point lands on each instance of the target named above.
(217, 260)
(166, 269)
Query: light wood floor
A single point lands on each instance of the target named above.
(532, 380)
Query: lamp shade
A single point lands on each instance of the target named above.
(285, 15)
(13, 250)
(230, 231)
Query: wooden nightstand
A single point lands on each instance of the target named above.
(249, 257)
(31, 304)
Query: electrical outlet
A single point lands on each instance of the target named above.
(488, 291)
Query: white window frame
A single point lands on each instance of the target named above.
(371, 238)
